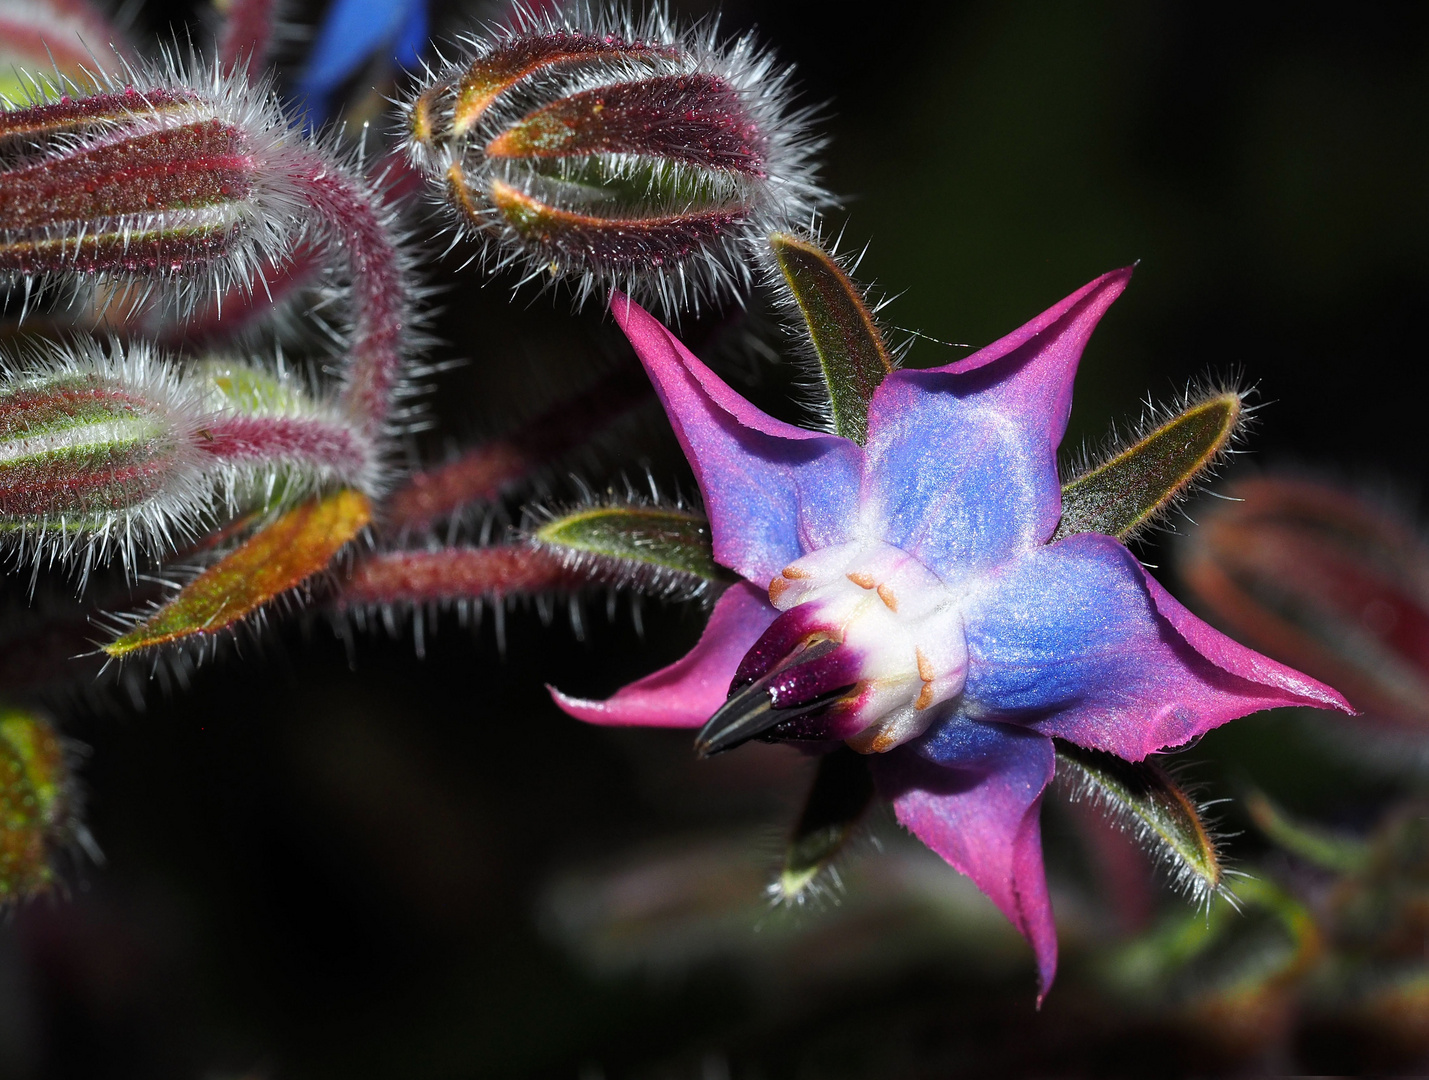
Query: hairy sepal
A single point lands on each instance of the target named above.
(278, 558)
(840, 796)
(108, 451)
(840, 326)
(165, 174)
(1133, 486)
(608, 151)
(100, 453)
(658, 550)
(1142, 799)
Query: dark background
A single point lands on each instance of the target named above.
(323, 863)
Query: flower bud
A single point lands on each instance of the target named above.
(158, 179)
(37, 805)
(95, 444)
(1318, 576)
(617, 154)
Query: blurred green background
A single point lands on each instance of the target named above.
(328, 861)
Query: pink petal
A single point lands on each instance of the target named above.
(688, 692)
(973, 793)
(772, 491)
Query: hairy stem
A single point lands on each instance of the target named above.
(351, 218)
(485, 472)
(328, 447)
(422, 577)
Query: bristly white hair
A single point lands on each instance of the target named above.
(195, 491)
(713, 270)
(171, 514)
(812, 391)
(263, 226)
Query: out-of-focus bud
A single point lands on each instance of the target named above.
(52, 37)
(1321, 578)
(96, 444)
(38, 815)
(617, 153)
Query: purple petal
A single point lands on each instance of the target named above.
(688, 692)
(973, 793)
(1079, 641)
(772, 491)
(961, 461)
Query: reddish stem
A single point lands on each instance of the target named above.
(333, 448)
(350, 217)
(246, 34)
(421, 577)
(485, 472)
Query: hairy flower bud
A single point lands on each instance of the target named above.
(161, 178)
(102, 451)
(617, 153)
(37, 805)
(99, 445)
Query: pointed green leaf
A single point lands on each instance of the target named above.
(843, 788)
(850, 348)
(1143, 800)
(646, 538)
(1126, 492)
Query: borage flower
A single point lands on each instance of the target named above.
(903, 597)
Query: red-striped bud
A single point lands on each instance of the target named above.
(617, 154)
(156, 179)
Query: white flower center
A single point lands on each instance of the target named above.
(900, 617)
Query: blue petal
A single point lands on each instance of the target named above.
(952, 481)
(1075, 640)
(962, 459)
(353, 31)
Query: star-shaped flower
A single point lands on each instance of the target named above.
(904, 597)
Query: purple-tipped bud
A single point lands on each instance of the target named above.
(617, 154)
(123, 182)
(100, 451)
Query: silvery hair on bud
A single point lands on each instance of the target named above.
(701, 269)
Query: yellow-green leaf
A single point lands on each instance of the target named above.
(273, 560)
(850, 348)
(1142, 799)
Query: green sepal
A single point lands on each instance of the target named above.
(644, 538)
(1130, 489)
(1144, 800)
(842, 791)
(850, 348)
